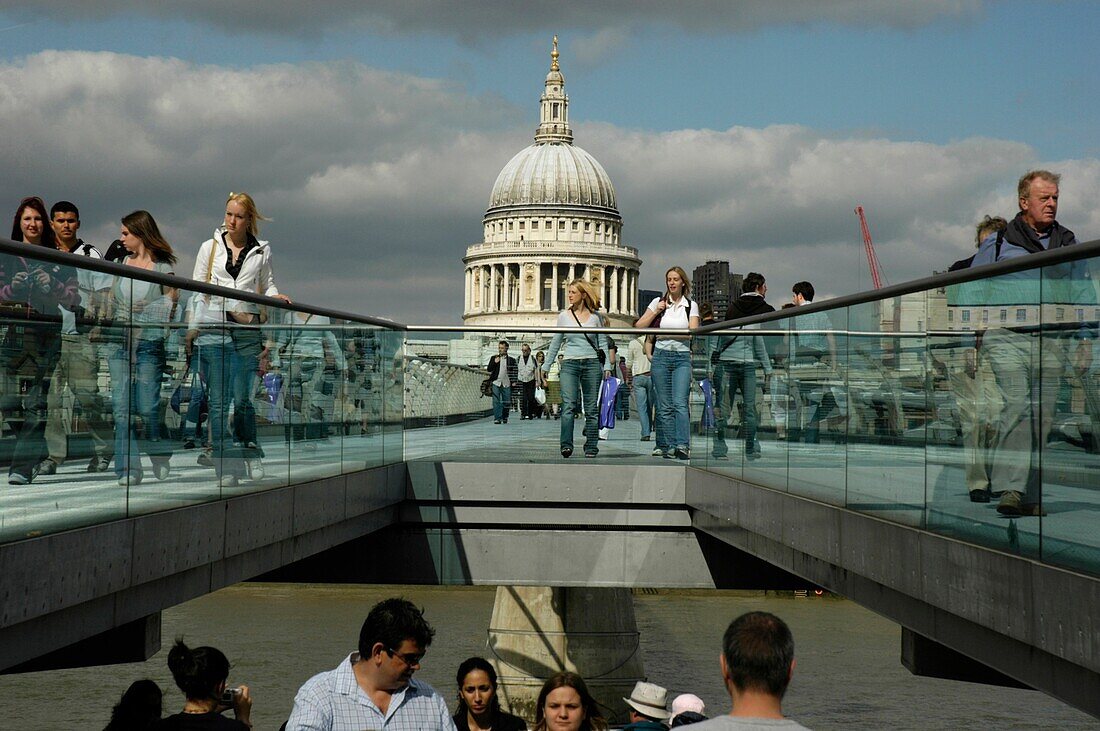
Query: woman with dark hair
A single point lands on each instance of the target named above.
(31, 291)
(564, 704)
(136, 355)
(139, 709)
(478, 705)
(201, 674)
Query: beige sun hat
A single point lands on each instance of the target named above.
(648, 699)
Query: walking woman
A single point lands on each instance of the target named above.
(581, 365)
(227, 335)
(671, 363)
(478, 705)
(31, 290)
(135, 350)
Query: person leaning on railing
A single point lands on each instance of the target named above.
(225, 330)
(31, 293)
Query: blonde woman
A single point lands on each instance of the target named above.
(671, 363)
(226, 330)
(581, 365)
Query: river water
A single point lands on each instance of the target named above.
(847, 672)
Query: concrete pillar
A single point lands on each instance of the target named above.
(506, 295)
(613, 304)
(572, 272)
(468, 299)
(492, 288)
(536, 631)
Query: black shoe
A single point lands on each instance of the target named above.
(644, 439)
(979, 496)
(590, 455)
(682, 454)
(496, 421)
(47, 467)
(567, 452)
(188, 443)
(99, 464)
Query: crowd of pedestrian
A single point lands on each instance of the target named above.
(62, 323)
(374, 687)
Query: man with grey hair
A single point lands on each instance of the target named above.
(1027, 362)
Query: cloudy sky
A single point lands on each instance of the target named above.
(371, 133)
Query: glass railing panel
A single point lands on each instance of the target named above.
(53, 376)
(1065, 423)
(818, 353)
(744, 403)
(311, 358)
(361, 398)
(389, 399)
(984, 349)
(888, 409)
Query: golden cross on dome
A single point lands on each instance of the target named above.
(554, 56)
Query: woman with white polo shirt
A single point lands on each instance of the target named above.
(671, 363)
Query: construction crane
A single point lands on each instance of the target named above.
(872, 260)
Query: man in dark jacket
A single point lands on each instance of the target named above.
(1026, 363)
(735, 359)
(501, 380)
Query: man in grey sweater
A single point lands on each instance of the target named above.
(757, 663)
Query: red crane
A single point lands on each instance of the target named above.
(872, 260)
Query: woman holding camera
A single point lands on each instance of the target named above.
(201, 674)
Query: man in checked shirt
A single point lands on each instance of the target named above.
(374, 687)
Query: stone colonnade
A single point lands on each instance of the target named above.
(522, 286)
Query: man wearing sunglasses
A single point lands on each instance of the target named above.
(374, 687)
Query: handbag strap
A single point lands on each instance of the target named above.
(590, 342)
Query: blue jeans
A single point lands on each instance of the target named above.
(244, 368)
(215, 368)
(580, 379)
(729, 378)
(645, 398)
(137, 381)
(671, 372)
(502, 402)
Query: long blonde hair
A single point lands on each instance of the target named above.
(590, 295)
(249, 205)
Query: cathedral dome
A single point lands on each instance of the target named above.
(553, 173)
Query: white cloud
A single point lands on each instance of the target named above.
(484, 20)
(377, 182)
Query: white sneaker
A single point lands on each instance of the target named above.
(227, 481)
(255, 468)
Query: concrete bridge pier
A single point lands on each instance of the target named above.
(536, 631)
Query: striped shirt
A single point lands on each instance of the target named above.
(333, 701)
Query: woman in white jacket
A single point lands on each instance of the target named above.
(227, 335)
